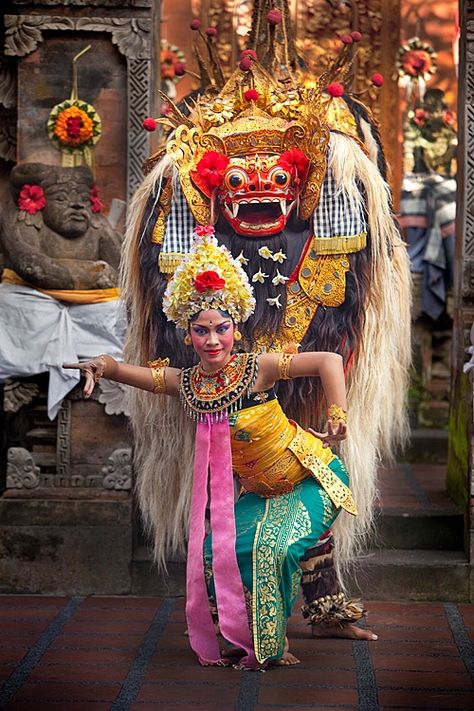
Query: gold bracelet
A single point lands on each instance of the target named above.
(284, 365)
(157, 368)
(337, 414)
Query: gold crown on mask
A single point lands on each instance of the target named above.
(208, 278)
(280, 119)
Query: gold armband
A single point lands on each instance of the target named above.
(337, 414)
(157, 368)
(284, 364)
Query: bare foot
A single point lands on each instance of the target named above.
(351, 631)
(288, 659)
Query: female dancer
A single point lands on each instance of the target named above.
(245, 573)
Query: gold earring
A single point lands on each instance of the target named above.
(187, 340)
(237, 335)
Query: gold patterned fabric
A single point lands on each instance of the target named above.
(271, 454)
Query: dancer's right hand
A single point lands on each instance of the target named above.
(92, 370)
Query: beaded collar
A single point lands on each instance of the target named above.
(220, 393)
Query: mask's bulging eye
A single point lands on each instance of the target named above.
(235, 179)
(280, 177)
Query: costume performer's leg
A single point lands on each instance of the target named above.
(324, 601)
(272, 537)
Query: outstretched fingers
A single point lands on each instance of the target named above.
(89, 371)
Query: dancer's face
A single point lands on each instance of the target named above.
(212, 335)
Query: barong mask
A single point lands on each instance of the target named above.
(253, 155)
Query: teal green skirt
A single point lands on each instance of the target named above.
(272, 536)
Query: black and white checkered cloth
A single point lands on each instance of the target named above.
(180, 224)
(335, 215)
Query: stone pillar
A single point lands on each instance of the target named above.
(461, 432)
(67, 516)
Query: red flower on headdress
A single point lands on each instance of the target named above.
(204, 230)
(31, 199)
(209, 281)
(248, 53)
(296, 163)
(356, 36)
(347, 39)
(96, 203)
(251, 95)
(212, 167)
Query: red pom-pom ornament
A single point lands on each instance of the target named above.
(245, 64)
(251, 95)
(211, 31)
(347, 39)
(149, 124)
(195, 24)
(377, 79)
(356, 36)
(274, 17)
(248, 53)
(179, 69)
(335, 89)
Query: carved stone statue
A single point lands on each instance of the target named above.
(58, 241)
(59, 300)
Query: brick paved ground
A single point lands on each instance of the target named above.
(96, 653)
(75, 654)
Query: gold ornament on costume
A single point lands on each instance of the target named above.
(208, 278)
(337, 414)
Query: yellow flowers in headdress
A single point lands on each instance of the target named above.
(208, 278)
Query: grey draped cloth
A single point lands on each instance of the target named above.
(427, 215)
(38, 334)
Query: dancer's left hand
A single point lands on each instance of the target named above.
(336, 432)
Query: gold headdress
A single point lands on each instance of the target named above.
(208, 278)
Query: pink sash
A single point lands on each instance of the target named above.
(213, 456)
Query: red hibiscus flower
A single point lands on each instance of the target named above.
(31, 199)
(296, 163)
(96, 204)
(209, 281)
(449, 117)
(420, 117)
(204, 230)
(211, 168)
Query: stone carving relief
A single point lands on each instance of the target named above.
(114, 397)
(63, 245)
(22, 472)
(18, 394)
(118, 471)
